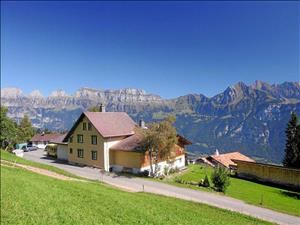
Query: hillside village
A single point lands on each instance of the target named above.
(109, 142)
(150, 113)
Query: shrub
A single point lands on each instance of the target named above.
(144, 173)
(178, 180)
(220, 179)
(206, 182)
(200, 182)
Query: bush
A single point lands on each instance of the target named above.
(206, 182)
(144, 173)
(178, 180)
(220, 179)
(201, 182)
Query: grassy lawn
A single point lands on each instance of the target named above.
(250, 192)
(13, 158)
(29, 198)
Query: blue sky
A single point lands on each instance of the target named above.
(166, 48)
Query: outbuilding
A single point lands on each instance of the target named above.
(62, 147)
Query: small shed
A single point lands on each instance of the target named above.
(62, 147)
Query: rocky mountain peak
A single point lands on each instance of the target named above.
(86, 92)
(260, 85)
(232, 94)
(59, 93)
(35, 94)
(11, 92)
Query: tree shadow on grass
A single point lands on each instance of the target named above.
(290, 194)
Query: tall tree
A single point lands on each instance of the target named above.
(8, 130)
(292, 150)
(298, 147)
(25, 130)
(158, 141)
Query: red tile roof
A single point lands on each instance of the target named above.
(132, 143)
(226, 159)
(59, 139)
(112, 124)
(128, 144)
(44, 137)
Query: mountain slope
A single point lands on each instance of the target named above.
(250, 119)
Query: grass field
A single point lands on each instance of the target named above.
(251, 192)
(13, 158)
(29, 198)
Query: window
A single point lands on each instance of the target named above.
(89, 126)
(94, 139)
(94, 155)
(84, 126)
(71, 139)
(80, 153)
(79, 138)
(71, 150)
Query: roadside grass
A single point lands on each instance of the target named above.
(250, 192)
(29, 198)
(4, 155)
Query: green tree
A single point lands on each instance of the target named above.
(25, 130)
(220, 179)
(292, 149)
(158, 140)
(8, 134)
(298, 147)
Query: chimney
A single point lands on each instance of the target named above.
(102, 108)
(141, 123)
(217, 152)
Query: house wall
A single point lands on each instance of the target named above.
(102, 147)
(40, 144)
(269, 173)
(62, 151)
(87, 146)
(126, 159)
(138, 162)
(176, 151)
(109, 142)
(134, 161)
(178, 162)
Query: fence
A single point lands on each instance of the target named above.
(269, 173)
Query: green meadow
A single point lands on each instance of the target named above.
(250, 192)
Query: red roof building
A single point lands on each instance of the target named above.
(226, 159)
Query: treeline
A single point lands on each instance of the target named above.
(13, 133)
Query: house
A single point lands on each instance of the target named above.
(41, 140)
(225, 160)
(107, 140)
(62, 147)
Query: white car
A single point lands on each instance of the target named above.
(18, 152)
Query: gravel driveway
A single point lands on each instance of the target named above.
(138, 184)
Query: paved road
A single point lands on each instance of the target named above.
(138, 184)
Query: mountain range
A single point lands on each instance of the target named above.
(246, 118)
